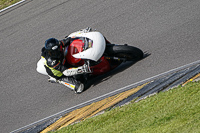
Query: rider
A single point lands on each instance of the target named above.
(57, 69)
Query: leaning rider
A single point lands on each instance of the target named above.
(57, 69)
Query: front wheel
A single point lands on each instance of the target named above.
(129, 53)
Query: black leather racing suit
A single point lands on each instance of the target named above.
(55, 66)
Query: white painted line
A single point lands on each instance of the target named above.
(12, 5)
(106, 95)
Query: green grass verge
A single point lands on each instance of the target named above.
(6, 3)
(174, 111)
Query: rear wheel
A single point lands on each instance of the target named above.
(129, 53)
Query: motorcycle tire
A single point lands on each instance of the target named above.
(130, 53)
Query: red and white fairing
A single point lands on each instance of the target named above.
(97, 48)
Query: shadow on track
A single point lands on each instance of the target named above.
(93, 81)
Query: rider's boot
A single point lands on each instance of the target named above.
(73, 84)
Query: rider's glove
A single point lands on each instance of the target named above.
(86, 30)
(76, 71)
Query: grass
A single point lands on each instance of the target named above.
(175, 111)
(6, 3)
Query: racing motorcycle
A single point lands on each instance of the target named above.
(92, 49)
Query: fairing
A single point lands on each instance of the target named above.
(97, 47)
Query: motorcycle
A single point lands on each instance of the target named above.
(93, 49)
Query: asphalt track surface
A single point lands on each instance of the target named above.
(168, 30)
